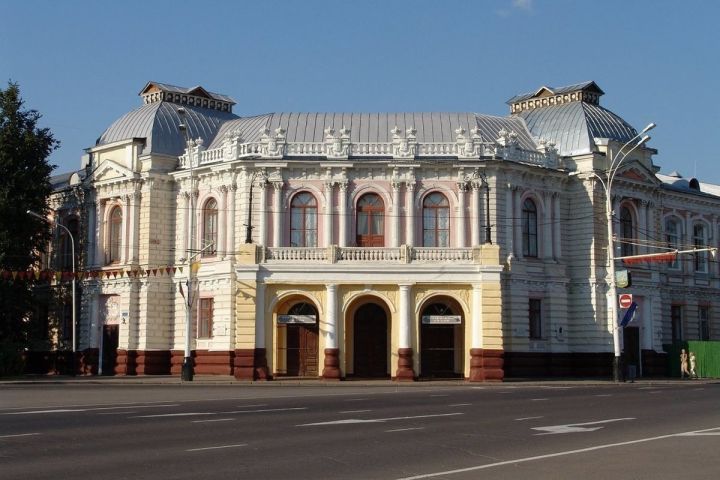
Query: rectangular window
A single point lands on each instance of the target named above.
(676, 323)
(703, 319)
(205, 318)
(535, 315)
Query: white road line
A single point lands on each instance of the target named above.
(551, 455)
(74, 410)
(376, 420)
(253, 406)
(184, 414)
(214, 420)
(19, 435)
(267, 410)
(355, 399)
(439, 395)
(232, 412)
(711, 431)
(527, 418)
(215, 448)
(459, 404)
(404, 429)
(355, 411)
(538, 399)
(116, 413)
(576, 427)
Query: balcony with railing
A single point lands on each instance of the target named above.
(366, 255)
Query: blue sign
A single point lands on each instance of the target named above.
(628, 315)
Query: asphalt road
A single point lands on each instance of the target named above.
(503, 431)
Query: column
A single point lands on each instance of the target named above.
(277, 214)
(477, 373)
(510, 224)
(462, 187)
(343, 220)
(260, 360)
(405, 353)
(91, 232)
(410, 213)
(475, 215)
(331, 365)
(328, 224)
(230, 245)
(126, 219)
(395, 221)
(546, 218)
(262, 208)
(643, 230)
(185, 237)
(222, 223)
(557, 240)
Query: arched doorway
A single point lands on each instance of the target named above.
(370, 338)
(441, 340)
(298, 341)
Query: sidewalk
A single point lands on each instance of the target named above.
(302, 382)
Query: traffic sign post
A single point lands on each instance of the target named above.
(625, 300)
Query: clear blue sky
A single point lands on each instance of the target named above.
(82, 63)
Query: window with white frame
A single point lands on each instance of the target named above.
(672, 237)
(676, 323)
(627, 232)
(535, 317)
(703, 322)
(114, 240)
(303, 221)
(700, 241)
(436, 221)
(529, 228)
(210, 228)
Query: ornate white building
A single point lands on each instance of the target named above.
(403, 245)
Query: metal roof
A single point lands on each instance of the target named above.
(158, 124)
(574, 126)
(188, 91)
(558, 91)
(432, 127)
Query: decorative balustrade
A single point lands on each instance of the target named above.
(335, 254)
(371, 149)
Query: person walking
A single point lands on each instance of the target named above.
(684, 364)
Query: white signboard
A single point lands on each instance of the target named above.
(441, 320)
(296, 319)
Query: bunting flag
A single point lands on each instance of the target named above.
(40, 275)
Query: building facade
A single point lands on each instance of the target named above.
(388, 245)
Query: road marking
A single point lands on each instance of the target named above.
(404, 429)
(267, 410)
(376, 420)
(604, 395)
(214, 420)
(116, 413)
(538, 399)
(355, 411)
(184, 414)
(576, 427)
(460, 405)
(528, 418)
(551, 455)
(439, 395)
(700, 433)
(74, 410)
(19, 435)
(355, 399)
(215, 448)
(253, 406)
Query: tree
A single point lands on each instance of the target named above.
(24, 185)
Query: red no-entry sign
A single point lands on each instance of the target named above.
(625, 300)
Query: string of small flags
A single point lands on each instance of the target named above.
(67, 275)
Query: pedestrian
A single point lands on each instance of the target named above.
(693, 364)
(684, 364)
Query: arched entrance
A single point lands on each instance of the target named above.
(441, 339)
(298, 341)
(370, 339)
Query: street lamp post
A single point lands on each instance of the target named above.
(188, 370)
(74, 303)
(612, 287)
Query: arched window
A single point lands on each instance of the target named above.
(303, 221)
(529, 228)
(672, 237)
(210, 228)
(66, 245)
(700, 241)
(627, 232)
(436, 221)
(370, 221)
(114, 241)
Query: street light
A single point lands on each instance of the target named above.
(187, 371)
(74, 303)
(612, 288)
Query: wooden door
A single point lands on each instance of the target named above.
(370, 225)
(302, 350)
(437, 351)
(110, 345)
(370, 342)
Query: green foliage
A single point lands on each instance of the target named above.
(24, 185)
